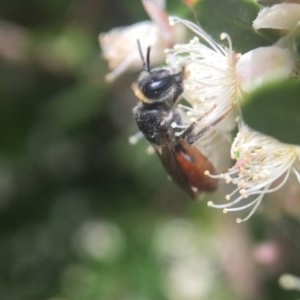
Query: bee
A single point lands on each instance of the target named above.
(159, 90)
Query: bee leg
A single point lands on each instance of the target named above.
(187, 133)
(192, 138)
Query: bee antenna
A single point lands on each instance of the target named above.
(146, 63)
(148, 59)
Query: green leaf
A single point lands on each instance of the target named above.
(275, 110)
(234, 17)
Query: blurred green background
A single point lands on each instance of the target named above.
(85, 215)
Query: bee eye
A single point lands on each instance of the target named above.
(154, 87)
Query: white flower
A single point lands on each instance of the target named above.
(284, 16)
(262, 65)
(216, 77)
(289, 282)
(119, 45)
(263, 165)
(209, 73)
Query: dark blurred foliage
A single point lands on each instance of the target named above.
(84, 214)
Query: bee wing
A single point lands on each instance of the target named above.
(167, 155)
(193, 165)
(186, 165)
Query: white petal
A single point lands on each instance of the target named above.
(157, 13)
(119, 46)
(281, 16)
(262, 65)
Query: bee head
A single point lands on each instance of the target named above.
(158, 86)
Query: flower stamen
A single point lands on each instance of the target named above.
(260, 161)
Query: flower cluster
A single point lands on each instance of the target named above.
(262, 166)
(217, 76)
(216, 79)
